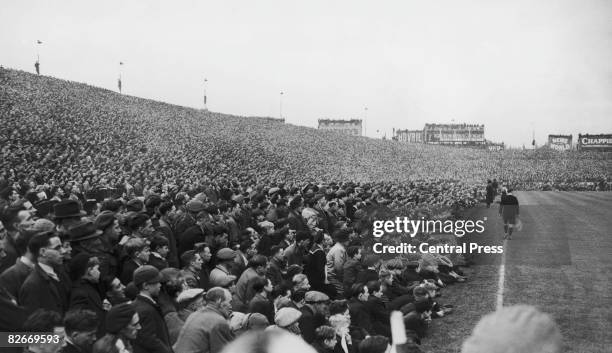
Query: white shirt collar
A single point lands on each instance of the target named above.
(48, 270)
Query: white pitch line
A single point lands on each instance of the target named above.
(502, 275)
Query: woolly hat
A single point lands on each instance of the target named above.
(146, 274)
(286, 317)
(169, 273)
(255, 321)
(226, 254)
(118, 317)
(134, 205)
(518, 328)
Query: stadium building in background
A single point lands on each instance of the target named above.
(447, 134)
(560, 142)
(413, 136)
(454, 134)
(348, 127)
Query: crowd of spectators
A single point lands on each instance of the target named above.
(139, 226)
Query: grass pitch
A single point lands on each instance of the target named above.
(561, 262)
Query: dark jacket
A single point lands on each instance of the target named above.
(127, 271)
(360, 316)
(275, 272)
(296, 221)
(262, 305)
(350, 270)
(490, 193)
(11, 253)
(314, 268)
(309, 321)
(85, 295)
(12, 316)
(190, 237)
(157, 262)
(41, 291)
(154, 336)
(14, 276)
(379, 315)
(509, 208)
(165, 228)
(366, 276)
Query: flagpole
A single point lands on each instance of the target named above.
(281, 105)
(205, 106)
(365, 118)
(119, 83)
(37, 64)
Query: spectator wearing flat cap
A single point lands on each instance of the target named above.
(122, 325)
(189, 301)
(107, 222)
(207, 330)
(288, 319)
(314, 314)
(222, 271)
(188, 218)
(154, 336)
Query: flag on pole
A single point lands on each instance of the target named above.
(119, 84)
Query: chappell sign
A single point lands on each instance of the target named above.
(601, 142)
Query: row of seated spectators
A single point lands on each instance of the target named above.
(296, 259)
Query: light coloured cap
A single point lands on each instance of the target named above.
(189, 294)
(287, 316)
(314, 296)
(518, 328)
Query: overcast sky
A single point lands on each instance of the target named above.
(513, 65)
